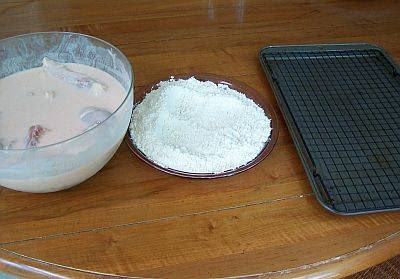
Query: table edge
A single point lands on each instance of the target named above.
(336, 267)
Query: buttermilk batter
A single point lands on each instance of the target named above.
(54, 102)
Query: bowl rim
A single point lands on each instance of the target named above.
(129, 92)
(241, 87)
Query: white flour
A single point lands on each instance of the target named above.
(199, 127)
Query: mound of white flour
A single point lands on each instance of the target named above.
(199, 126)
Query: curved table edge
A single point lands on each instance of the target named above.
(337, 267)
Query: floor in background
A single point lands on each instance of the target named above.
(386, 270)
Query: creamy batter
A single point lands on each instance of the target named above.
(55, 102)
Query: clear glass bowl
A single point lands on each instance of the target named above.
(65, 164)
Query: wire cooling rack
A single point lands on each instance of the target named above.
(342, 106)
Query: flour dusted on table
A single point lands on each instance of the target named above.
(199, 126)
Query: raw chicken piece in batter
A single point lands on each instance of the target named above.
(76, 79)
(34, 133)
(93, 116)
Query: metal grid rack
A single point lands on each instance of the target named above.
(343, 109)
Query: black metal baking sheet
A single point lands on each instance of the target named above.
(341, 104)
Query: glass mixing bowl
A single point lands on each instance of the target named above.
(64, 164)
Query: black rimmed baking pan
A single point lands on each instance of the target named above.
(341, 104)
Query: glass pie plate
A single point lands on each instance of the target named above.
(234, 84)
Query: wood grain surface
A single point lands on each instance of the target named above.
(132, 220)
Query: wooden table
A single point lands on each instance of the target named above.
(133, 220)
